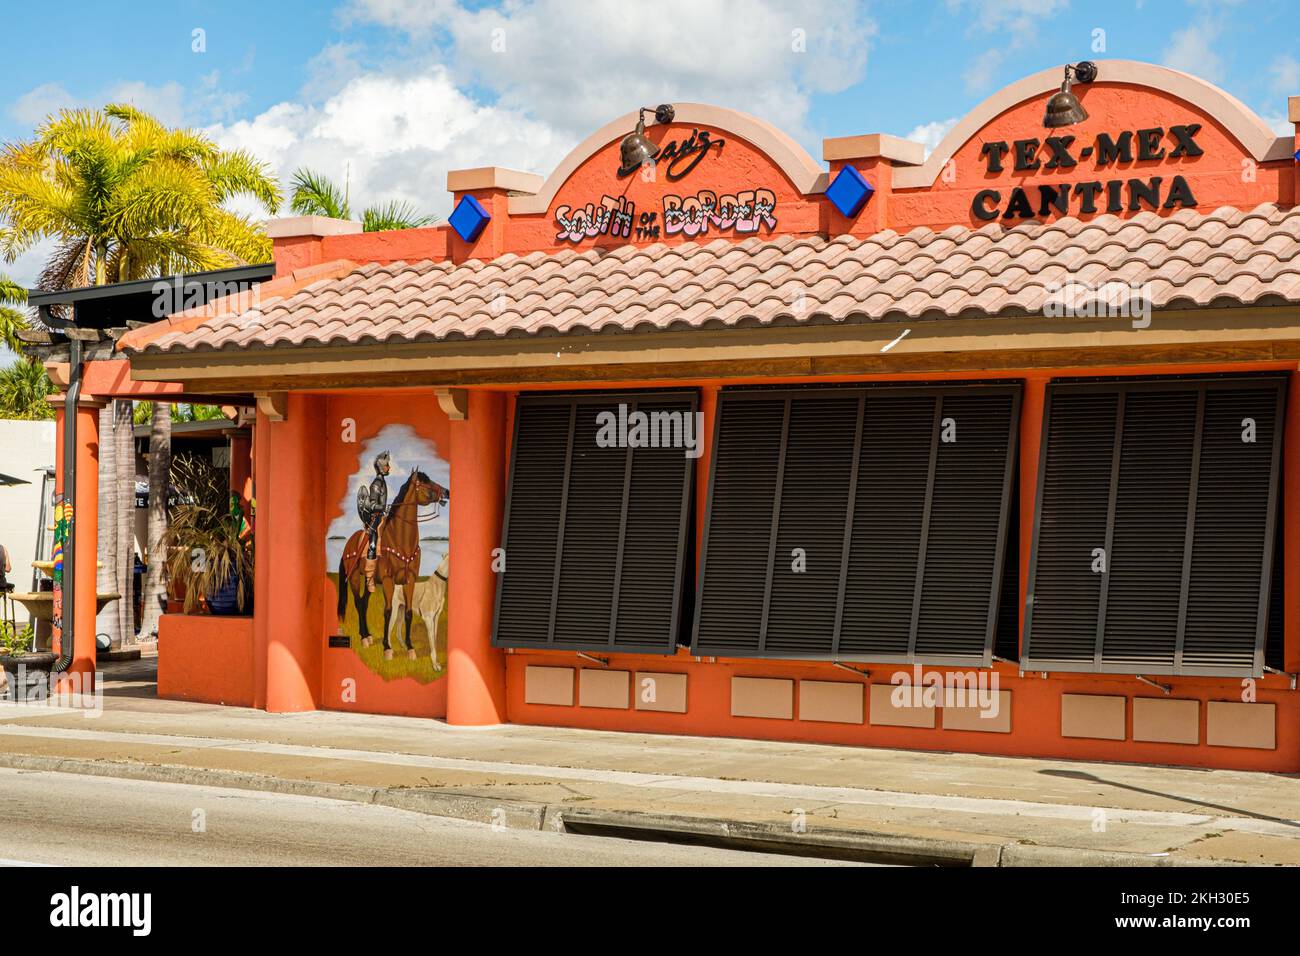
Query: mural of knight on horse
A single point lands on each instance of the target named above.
(372, 509)
(384, 554)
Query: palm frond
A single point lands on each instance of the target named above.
(394, 214)
(11, 291)
(315, 195)
(237, 173)
(12, 321)
(23, 388)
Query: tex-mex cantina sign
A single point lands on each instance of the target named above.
(1104, 154)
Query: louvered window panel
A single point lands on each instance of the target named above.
(857, 523)
(1155, 526)
(595, 530)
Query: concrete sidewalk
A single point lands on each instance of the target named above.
(932, 807)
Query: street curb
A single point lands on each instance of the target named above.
(510, 814)
(859, 845)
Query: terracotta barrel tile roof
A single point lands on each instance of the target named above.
(1228, 257)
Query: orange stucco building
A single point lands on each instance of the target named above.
(995, 450)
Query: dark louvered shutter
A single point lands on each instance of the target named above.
(1155, 526)
(857, 523)
(595, 537)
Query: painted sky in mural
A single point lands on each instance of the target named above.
(408, 451)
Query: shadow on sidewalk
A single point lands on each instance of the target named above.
(138, 678)
(1237, 811)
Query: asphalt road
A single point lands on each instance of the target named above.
(57, 818)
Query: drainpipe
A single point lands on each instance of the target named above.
(70, 494)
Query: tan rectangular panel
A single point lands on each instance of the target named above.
(885, 714)
(837, 702)
(1092, 715)
(1229, 723)
(602, 688)
(1161, 720)
(548, 685)
(661, 692)
(762, 697)
(966, 711)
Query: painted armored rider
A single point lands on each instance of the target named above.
(372, 508)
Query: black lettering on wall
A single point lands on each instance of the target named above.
(1018, 206)
(1051, 196)
(1087, 193)
(1186, 146)
(985, 206)
(994, 153)
(1140, 192)
(1060, 147)
(1026, 151)
(1149, 143)
(1180, 195)
(1110, 150)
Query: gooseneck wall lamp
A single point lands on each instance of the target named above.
(637, 149)
(1064, 108)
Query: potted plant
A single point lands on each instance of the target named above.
(210, 555)
(23, 667)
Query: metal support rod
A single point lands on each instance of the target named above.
(860, 671)
(1286, 674)
(602, 661)
(1166, 688)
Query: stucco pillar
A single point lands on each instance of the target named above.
(290, 568)
(241, 463)
(261, 568)
(476, 680)
(1032, 403)
(80, 675)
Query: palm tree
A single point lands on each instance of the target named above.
(125, 197)
(24, 386)
(316, 195)
(128, 198)
(12, 321)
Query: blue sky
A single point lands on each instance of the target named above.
(390, 94)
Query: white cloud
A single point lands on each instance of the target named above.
(42, 101)
(1285, 71)
(1017, 23)
(1191, 50)
(979, 76)
(394, 138)
(1278, 123)
(575, 66)
(496, 85)
(931, 133)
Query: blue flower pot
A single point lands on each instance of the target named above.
(225, 599)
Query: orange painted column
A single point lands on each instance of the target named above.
(262, 582)
(80, 675)
(1290, 556)
(1031, 434)
(291, 554)
(476, 675)
(241, 464)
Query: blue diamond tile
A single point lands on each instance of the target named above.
(849, 192)
(468, 218)
(1297, 155)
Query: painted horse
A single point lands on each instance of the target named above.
(430, 601)
(397, 558)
